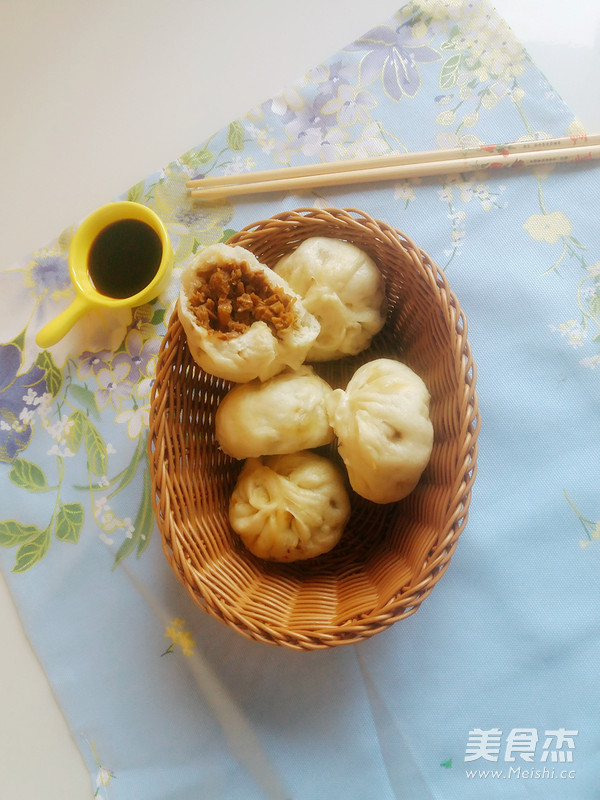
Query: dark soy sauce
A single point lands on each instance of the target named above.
(124, 257)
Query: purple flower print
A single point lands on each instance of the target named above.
(325, 145)
(350, 106)
(330, 78)
(393, 55)
(112, 386)
(50, 274)
(136, 355)
(309, 120)
(15, 424)
(93, 362)
(311, 132)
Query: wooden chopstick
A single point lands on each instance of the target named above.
(400, 165)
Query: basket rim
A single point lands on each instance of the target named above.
(406, 600)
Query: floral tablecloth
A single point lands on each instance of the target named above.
(490, 689)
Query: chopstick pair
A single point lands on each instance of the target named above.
(561, 150)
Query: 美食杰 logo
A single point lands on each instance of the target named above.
(527, 752)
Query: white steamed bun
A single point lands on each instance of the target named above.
(385, 436)
(343, 288)
(283, 414)
(289, 507)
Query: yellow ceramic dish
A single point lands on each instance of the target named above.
(88, 296)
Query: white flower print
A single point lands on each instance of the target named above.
(572, 330)
(136, 420)
(369, 143)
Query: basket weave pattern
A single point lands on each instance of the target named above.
(390, 556)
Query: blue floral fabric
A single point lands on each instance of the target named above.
(490, 689)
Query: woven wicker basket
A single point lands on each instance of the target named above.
(390, 556)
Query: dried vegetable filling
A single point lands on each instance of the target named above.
(242, 320)
(233, 296)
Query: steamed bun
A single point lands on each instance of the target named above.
(241, 319)
(281, 415)
(343, 288)
(385, 436)
(289, 507)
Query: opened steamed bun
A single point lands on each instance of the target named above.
(289, 507)
(241, 319)
(343, 288)
(284, 414)
(385, 436)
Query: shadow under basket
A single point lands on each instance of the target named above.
(390, 556)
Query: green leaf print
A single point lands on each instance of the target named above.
(227, 234)
(158, 317)
(69, 522)
(136, 193)
(13, 533)
(19, 340)
(127, 475)
(75, 430)
(196, 158)
(53, 374)
(142, 527)
(449, 73)
(235, 136)
(96, 449)
(145, 518)
(28, 475)
(127, 547)
(32, 551)
(85, 397)
(449, 44)
(594, 305)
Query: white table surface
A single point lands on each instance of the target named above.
(97, 95)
